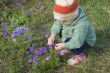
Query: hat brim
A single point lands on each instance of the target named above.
(68, 16)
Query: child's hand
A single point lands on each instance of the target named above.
(51, 40)
(59, 46)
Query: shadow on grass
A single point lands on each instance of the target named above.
(103, 40)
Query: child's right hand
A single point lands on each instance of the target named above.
(51, 40)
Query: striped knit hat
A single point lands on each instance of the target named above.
(65, 9)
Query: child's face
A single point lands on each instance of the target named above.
(67, 22)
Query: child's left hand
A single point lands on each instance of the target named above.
(59, 46)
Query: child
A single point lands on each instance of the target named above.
(77, 33)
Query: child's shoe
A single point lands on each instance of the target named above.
(76, 59)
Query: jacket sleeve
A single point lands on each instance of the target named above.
(56, 27)
(79, 36)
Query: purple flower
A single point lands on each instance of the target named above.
(19, 31)
(30, 61)
(3, 27)
(27, 38)
(2, 23)
(50, 46)
(38, 6)
(27, 52)
(23, 28)
(30, 50)
(37, 62)
(18, 4)
(35, 57)
(41, 51)
(58, 52)
(38, 53)
(47, 58)
(5, 34)
(16, 34)
(27, 12)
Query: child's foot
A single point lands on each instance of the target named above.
(76, 59)
(65, 52)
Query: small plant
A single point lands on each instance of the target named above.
(44, 59)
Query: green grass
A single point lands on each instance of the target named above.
(98, 60)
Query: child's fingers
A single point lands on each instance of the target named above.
(49, 43)
(56, 45)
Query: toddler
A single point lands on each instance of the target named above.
(75, 30)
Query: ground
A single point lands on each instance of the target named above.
(98, 58)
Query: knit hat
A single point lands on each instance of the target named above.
(65, 9)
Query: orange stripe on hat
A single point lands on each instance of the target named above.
(65, 10)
